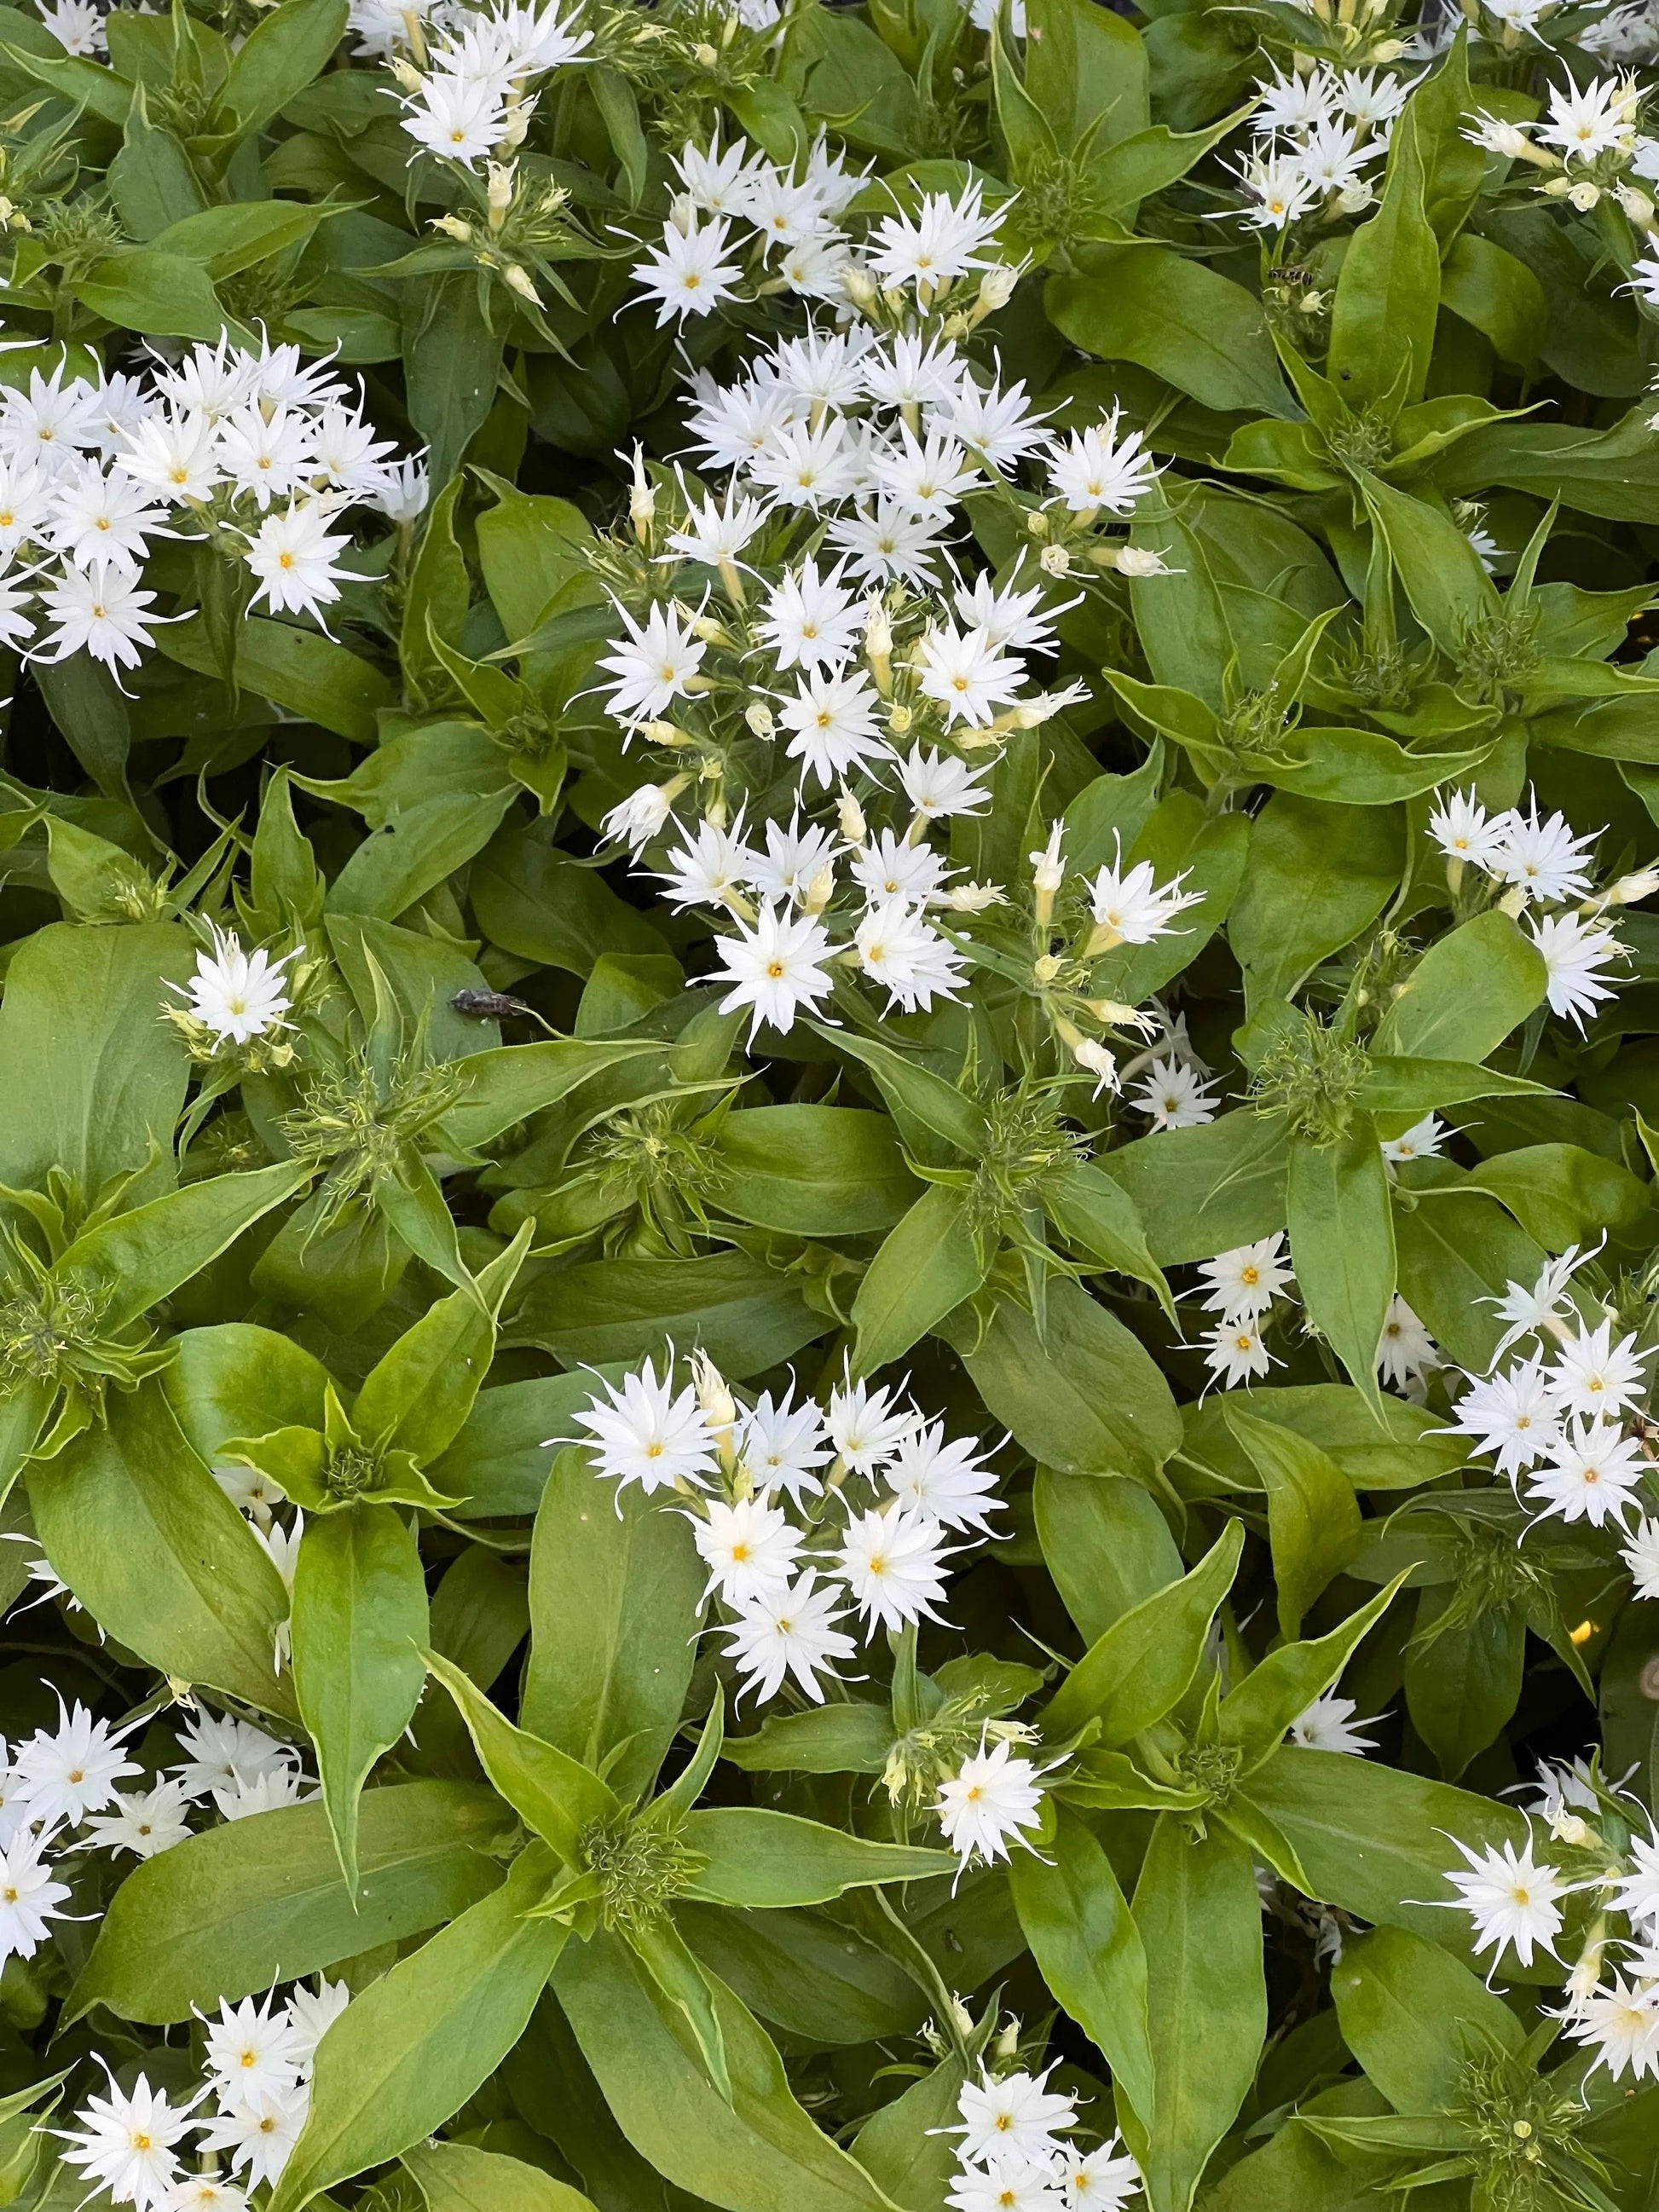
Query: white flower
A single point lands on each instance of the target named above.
(292, 553)
(49, 421)
(912, 371)
(927, 475)
(1005, 2185)
(1622, 2021)
(717, 183)
(749, 1548)
(78, 26)
(29, 1897)
(249, 2050)
(710, 869)
(966, 674)
(810, 621)
(1278, 190)
(1512, 1416)
(234, 993)
(789, 1631)
(643, 815)
(101, 611)
(898, 948)
(311, 2014)
(1328, 1724)
(892, 1560)
(1641, 1556)
(403, 492)
(1404, 1347)
(1234, 1352)
(1573, 954)
(205, 2193)
(992, 1798)
(1421, 1141)
(945, 1481)
(1094, 469)
(995, 420)
(1588, 120)
(124, 2143)
(945, 240)
(1511, 1899)
(867, 1427)
(1637, 1893)
(220, 1751)
(460, 119)
(26, 499)
(144, 1822)
(938, 785)
(833, 720)
(1133, 908)
(687, 274)
(1097, 2181)
(66, 1773)
(783, 1445)
(175, 455)
(713, 533)
(1173, 1094)
(887, 542)
(1593, 1474)
(250, 1795)
(1595, 1377)
(1244, 1282)
(1544, 859)
(773, 967)
(654, 665)
(98, 518)
(806, 463)
(258, 2128)
(889, 868)
(1528, 1310)
(642, 1433)
(1017, 2117)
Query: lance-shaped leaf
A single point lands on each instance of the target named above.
(552, 1793)
(1140, 1669)
(1313, 1515)
(757, 1858)
(411, 2049)
(418, 1395)
(928, 1266)
(1414, 2016)
(1084, 1940)
(359, 1623)
(1465, 994)
(1341, 1223)
(457, 2177)
(1095, 1211)
(509, 1084)
(1400, 1084)
(679, 1977)
(921, 1101)
(1255, 1715)
(140, 1258)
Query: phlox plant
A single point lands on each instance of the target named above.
(828, 1107)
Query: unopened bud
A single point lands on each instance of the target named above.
(501, 177)
(997, 287)
(1632, 890)
(854, 827)
(453, 226)
(518, 280)
(1008, 2041)
(407, 77)
(899, 721)
(1141, 560)
(821, 888)
(1054, 561)
(720, 1408)
(1047, 867)
(1099, 1062)
(1585, 196)
(705, 55)
(974, 898)
(759, 717)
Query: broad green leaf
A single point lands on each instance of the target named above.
(906, 2148)
(455, 2176)
(411, 2049)
(1195, 329)
(514, 1081)
(745, 1316)
(1255, 1715)
(287, 48)
(757, 1858)
(1140, 1667)
(1089, 1950)
(616, 1597)
(360, 1622)
(1095, 1213)
(1463, 1681)
(1199, 1917)
(761, 2152)
(1106, 1543)
(139, 1258)
(135, 1524)
(926, 1267)
(1316, 875)
(260, 1900)
(1561, 1194)
(418, 1393)
(1207, 1190)
(1382, 316)
(552, 1793)
(813, 1171)
(1406, 2008)
(1409, 1446)
(310, 675)
(1341, 1225)
(1313, 1516)
(1465, 994)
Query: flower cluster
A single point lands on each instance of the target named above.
(1541, 864)
(258, 2065)
(467, 89)
(257, 454)
(1242, 1287)
(1566, 1412)
(1320, 136)
(1016, 2154)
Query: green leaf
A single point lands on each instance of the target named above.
(1089, 1950)
(161, 295)
(1463, 1680)
(905, 2146)
(1207, 1190)
(289, 46)
(1087, 1397)
(813, 1171)
(360, 1622)
(1105, 1542)
(411, 2049)
(1139, 1668)
(95, 1082)
(1465, 994)
(1087, 71)
(759, 1858)
(926, 1268)
(140, 1258)
(1316, 875)
(418, 1393)
(1341, 1225)
(457, 2177)
(552, 1793)
(616, 1598)
(838, 1738)
(1563, 1194)
(745, 1317)
(541, 905)
(1407, 2008)
(1496, 294)
(398, 865)
(1198, 330)
(1093, 1211)
(236, 1908)
(1456, 1255)
(452, 359)
(1382, 316)
(1255, 1715)
(1199, 1917)
(760, 2153)
(921, 1101)
(312, 676)
(132, 1520)
(224, 240)
(1313, 1516)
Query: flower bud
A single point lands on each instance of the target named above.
(760, 718)
(518, 280)
(455, 226)
(1141, 560)
(1054, 561)
(854, 827)
(821, 888)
